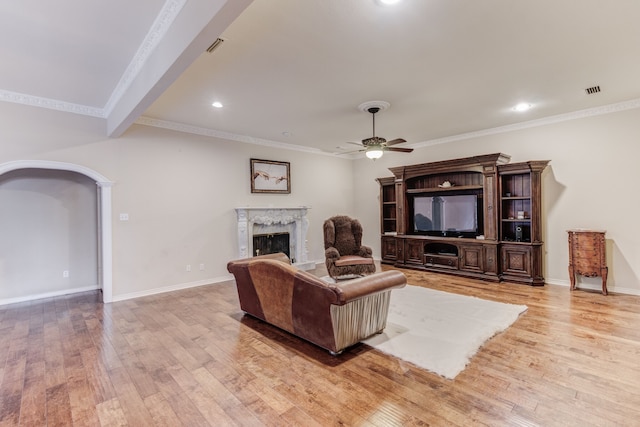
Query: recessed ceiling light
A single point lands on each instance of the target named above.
(217, 104)
(389, 1)
(523, 106)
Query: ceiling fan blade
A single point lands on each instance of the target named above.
(398, 149)
(355, 143)
(395, 141)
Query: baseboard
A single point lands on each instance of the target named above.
(172, 288)
(594, 287)
(34, 297)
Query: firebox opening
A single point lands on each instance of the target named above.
(271, 243)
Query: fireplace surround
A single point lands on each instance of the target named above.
(270, 220)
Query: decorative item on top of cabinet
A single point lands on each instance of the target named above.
(587, 256)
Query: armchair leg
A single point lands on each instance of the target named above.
(335, 353)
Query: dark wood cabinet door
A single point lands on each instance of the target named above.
(389, 247)
(472, 258)
(414, 251)
(516, 260)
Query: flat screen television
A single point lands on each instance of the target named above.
(455, 215)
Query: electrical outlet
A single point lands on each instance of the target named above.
(124, 217)
(65, 273)
(201, 267)
(188, 267)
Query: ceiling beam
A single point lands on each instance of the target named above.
(197, 25)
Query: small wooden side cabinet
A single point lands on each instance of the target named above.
(587, 256)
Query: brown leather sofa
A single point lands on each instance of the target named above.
(333, 316)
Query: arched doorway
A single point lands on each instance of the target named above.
(103, 187)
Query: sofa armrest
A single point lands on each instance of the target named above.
(279, 256)
(363, 286)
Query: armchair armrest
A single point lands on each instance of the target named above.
(363, 286)
(331, 253)
(365, 251)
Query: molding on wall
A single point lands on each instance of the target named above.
(597, 288)
(48, 164)
(590, 112)
(156, 33)
(580, 114)
(103, 185)
(158, 30)
(7, 301)
(196, 130)
(52, 104)
(171, 288)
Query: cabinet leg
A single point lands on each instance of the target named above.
(604, 272)
(572, 277)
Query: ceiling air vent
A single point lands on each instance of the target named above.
(592, 90)
(216, 44)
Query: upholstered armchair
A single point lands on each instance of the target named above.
(333, 316)
(345, 256)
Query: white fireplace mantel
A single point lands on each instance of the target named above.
(262, 220)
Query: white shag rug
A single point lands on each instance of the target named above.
(440, 331)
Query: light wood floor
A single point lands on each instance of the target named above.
(191, 358)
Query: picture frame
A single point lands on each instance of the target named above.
(269, 176)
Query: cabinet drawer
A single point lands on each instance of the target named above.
(586, 267)
(589, 254)
(441, 261)
(588, 271)
(586, 240)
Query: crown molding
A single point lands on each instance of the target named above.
(158, 30)
(196, 130)
(575, 115)
(590, 112)
(160, 26)
(52, 104)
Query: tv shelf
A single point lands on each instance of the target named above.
(508, 242)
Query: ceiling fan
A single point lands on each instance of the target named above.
(375, 146)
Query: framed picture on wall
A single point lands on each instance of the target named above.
(268, 176)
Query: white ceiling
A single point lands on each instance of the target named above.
(294, 72)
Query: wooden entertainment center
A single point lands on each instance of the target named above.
(506, 243)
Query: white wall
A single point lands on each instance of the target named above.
(590, 183)
(180, 190)
(48, 222)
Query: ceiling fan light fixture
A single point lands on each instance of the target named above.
(374, 146)
(374, 153)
